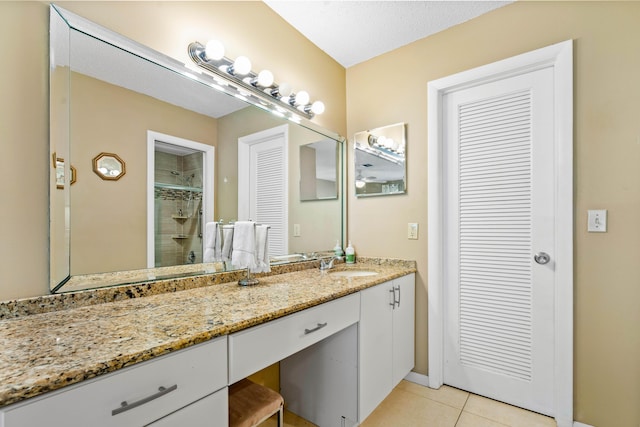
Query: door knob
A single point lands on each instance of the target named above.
(542, 257)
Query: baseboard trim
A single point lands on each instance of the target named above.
(577, 424)
(417, 378)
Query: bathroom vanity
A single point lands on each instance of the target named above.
(166, 359)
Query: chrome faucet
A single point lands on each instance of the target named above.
(327, 265)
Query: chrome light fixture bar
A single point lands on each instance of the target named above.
(237, 78)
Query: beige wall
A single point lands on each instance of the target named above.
(607, 175)
(24, 138)
(165, 26)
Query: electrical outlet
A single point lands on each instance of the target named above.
(412, 231)
(296, 230)
(597, 221)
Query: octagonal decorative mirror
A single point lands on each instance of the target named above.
(109, 166)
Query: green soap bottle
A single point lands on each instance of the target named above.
(351, 254)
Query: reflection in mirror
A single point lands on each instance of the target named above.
(109, 166)
(380, 161)
(59, 165)
(105, 234)
(319, 170)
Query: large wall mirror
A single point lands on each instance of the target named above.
(179, 137)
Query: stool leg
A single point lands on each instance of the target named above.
(281, 417)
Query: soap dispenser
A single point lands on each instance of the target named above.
(337, 250)
(351, 254)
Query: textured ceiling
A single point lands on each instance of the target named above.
(355, 31)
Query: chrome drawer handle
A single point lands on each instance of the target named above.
(395, 301)
(320, 326)
(126, 406)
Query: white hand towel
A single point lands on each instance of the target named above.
(227, 242)
(262, 249)
(212, 245)
(243, 254)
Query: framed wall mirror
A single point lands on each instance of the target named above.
(380, 161)
(319, 170)
(172, 189)
(109, 166)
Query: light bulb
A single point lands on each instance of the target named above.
(360, 183)
(282, 91)
(302, 98)
(381, 141)
(265, 78)
(241, 66)
(214, 50)
(317, 107)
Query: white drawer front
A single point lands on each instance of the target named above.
(263, 345)
(196, 371)
(211, 411)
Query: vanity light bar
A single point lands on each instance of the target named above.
(245, 83)
(395, 158)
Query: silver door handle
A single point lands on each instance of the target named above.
(394, 295)
(542, 258)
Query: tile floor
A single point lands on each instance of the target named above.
(412, 405)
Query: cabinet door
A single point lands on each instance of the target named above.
(376, 346)
(403, 327)
(210, 411)
(320, 383)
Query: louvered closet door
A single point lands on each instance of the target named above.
(268, 191)
(499, 337)
(263, 183)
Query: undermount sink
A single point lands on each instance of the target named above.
(353, 273)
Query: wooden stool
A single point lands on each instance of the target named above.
(250, 404)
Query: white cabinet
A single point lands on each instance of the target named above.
(258, 347)
(386, 340)
(210, 411)
(404, 328)
(320, 383)
(133, 396)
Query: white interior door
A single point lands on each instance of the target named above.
(263, 184)
(499, 213)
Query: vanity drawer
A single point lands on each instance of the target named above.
(211, 411)
(258, 347)
(186, 375)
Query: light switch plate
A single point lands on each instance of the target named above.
(412, 231)
(296, 230)
(597, 221)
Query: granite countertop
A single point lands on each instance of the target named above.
(47, 351)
